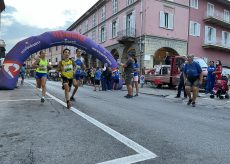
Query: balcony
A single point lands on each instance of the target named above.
(217, 44)
(217, 18)
(127, 36)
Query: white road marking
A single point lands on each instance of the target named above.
(23, 100)
(143, 153)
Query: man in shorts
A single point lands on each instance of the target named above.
(193, 78)
(66, 67)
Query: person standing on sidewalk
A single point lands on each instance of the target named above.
(128, 66)
(77, 76)
(41, 66)
(193, 78)
(136, 76)
(66, 67)
(181, 83)
(210, 80)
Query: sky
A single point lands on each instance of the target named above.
(24, 18)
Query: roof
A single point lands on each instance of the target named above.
(2, 5)
(94, 8)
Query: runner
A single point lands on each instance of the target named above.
(41, 66)
(66, 67)
(77, 76)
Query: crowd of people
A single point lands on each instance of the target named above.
(191, 78)
(74, 73)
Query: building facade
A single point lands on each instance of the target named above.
(148, 28)
(209, 34)
(2, 43)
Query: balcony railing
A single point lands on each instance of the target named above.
(127, 35)
(218, 43)
(218, 19)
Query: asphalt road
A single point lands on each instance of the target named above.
(105, 126)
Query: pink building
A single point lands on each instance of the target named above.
(148, 28)
(209, 34)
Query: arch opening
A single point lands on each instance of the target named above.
(25, 48)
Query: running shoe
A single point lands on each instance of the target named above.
(68, 104)
(189, 101)
(42, 100)
(72, 98)
(193, 104)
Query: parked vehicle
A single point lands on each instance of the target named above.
(170, 74)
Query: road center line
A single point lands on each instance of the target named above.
(143, 153)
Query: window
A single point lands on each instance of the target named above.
(102, 34)
(210, 10)
(103, 14)
(56, 59)
(226, 15)
(94, 35)
(94, 20)
(194, 29)
(194, 4)
(225, 38)
(56, 48)
(129, 2)
(114, 28)
(86, 25)
(210, 35)
(166, 20)
(115, 6)
(80, 32)
(129, 23)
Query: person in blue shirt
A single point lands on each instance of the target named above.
(116, 76)
(181, 83)
(136, 76)
(210, 80)
(97, 79)
(193, 78)
(79, 67)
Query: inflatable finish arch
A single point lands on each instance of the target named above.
(23, 49)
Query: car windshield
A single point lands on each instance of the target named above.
(201, 62)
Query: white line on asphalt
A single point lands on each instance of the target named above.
(23, 100)
(143, 153)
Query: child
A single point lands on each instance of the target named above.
(142, 80)
(115, 79)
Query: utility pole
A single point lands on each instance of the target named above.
(140, 39)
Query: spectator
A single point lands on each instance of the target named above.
(210, 80)
(218, 71)
(181, 83)
(97, 79)
(193, 78)
(116, 76)
(128, 66)
(136, 76)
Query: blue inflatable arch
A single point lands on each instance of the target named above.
(23, 49)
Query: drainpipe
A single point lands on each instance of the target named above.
(141, 33)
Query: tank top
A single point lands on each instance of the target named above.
(67, 69)
(42, 66)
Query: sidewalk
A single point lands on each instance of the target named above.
(203, 99)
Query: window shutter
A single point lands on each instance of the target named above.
(162, 19)
(191, 28)
(133, 23)
(223, 38)
(170, 21)
(105, 34)
(206, 34)
(117, 26)
(124, 25)
(214, 35)
(111, 31)
(228, 41)
(99, 35)
(198, 30)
